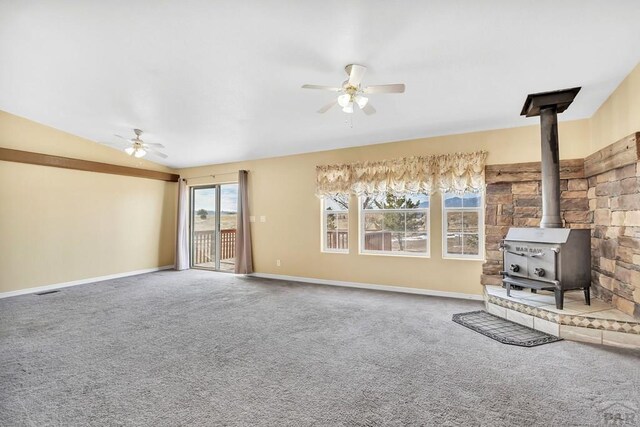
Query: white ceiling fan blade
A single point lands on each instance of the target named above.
(118, 145)
(357, 72)
(368, 109)
(122, 137)
(327, 107)
(156, 152)
(393, 88)
(330, 88)
(153, 144)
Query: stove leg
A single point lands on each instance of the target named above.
(587, 296)
(533, 291)
(559, 299)
(508, 286)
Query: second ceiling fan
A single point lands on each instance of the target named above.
(352, 93)
(136, 147)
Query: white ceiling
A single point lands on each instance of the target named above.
(219, 81)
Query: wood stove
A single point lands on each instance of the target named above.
(550, 257)
(554, 259)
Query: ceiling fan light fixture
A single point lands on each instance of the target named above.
(361, 101)
(348, 108)
(139, 152)
(130, 150)
(344, 100)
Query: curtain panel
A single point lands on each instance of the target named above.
(182, 240)
(244, 257)
(458, 172)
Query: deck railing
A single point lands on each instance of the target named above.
(204, 244)
(227, 244)
(373, 241)
(337, 240)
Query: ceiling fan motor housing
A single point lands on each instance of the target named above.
(348, 68)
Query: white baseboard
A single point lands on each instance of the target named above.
(359, 285)
(387, 288)
(81, 282)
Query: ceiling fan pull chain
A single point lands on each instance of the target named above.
(349, 121)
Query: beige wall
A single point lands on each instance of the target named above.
(282, 189)
(619, 115)
(59, 225)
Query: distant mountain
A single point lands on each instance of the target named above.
(456, 202)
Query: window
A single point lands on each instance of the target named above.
(335, 223)
(462, 225)
(395, 225)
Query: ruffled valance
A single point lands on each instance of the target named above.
(459, 172)
(332, 180)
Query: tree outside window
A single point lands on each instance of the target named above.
(335, 223)
(395, 224)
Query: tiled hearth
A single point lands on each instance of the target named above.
(598, 323)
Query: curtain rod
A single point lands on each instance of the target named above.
(214, 175)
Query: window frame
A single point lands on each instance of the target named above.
(323, 227)
(362, 231)
(481, 231)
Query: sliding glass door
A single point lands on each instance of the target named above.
(204, 214)
(213, 226)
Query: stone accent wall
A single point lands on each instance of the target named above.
(614, 201)
(601, 192)
(513, 199)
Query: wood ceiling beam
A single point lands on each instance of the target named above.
(32, 158)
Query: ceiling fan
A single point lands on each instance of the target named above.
(137, 147)
(353, 93)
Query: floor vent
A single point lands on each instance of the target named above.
(47, 292)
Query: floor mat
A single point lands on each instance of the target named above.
(503, 330)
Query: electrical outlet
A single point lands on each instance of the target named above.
(252, 218)
(278, 262)
(263, 218)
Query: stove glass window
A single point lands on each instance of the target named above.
(395, 224)
(462, 225)
(335, 223)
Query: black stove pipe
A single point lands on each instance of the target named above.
(547, 105)
(550, 169)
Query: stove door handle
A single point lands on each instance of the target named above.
(537, 254)
(515, 253)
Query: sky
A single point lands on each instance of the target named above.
(205, 198)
